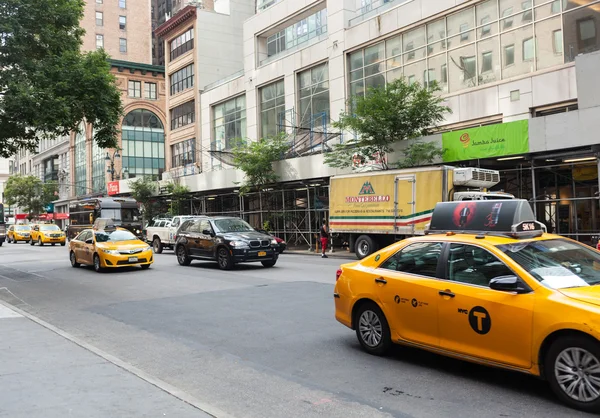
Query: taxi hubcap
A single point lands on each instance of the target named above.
(370, 328)
(578, 374)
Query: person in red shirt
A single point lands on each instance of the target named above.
(324, 238)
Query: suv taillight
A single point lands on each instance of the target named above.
(338, 273)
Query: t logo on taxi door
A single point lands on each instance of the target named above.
(480, 320)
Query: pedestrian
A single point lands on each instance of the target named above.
(324, 238)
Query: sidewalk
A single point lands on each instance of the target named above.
(341, 254)
(45, 375)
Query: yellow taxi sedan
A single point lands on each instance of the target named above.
(18, 233)
(109, 248)
(486, 285)
(47, 234)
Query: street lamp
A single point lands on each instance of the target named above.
(112, 159)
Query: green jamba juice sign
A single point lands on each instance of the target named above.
(489, 141)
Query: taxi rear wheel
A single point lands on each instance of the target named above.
(40, 243)
(31, 242)
(572, 367)
(372, 329)
(73, 259)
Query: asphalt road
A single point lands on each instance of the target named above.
(256, 342)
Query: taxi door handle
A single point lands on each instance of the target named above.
(446, 293)
(381, 280)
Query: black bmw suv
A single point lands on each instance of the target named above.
(226, 240)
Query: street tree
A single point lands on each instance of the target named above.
(143, 189)
(385, 116)
(256, 158)
(178, 194)
(47, 85)
(420, 153)
(29, 193)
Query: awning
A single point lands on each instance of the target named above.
(21, 216)
(59, 215)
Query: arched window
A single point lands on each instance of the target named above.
(143, 143)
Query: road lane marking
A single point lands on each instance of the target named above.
(8, 313)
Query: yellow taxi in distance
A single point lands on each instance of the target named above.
(47, 234)
(18, 233)
(109, 248)
(486, 285)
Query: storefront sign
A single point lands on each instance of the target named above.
(60, 215)
(486, 141)
(113, 188)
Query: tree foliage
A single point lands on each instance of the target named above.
(47, 86)
(420, 153)
(143, 189)
(29, 193)
(385, 116)
(256, 158)
(178, 194)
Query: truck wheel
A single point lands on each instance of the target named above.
(365, 246)
(157, 246)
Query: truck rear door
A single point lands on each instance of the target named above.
(405, 203)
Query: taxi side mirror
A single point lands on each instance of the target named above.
(506, 284)
(89, 241)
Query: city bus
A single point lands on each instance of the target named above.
(122, 210)
(2, 225)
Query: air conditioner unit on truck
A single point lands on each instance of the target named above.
(373, 210)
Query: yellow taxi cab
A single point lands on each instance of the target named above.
(18, 233)
(485, 285)
(109, 247)
(47, 234)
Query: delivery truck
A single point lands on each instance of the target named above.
(372, 210)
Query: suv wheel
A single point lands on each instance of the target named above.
(224, 259)
(572, 368)
(182, 256)
(157, 246)
(269, 263)
(372, 329)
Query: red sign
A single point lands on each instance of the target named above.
(113, 188)
(61, 215)
(45, 216)
(21, 216)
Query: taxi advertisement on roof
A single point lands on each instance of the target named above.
(365, 203)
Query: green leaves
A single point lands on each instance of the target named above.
(178, 194)
(385, 116)
(420, 153)
(256, 158)
(29, 193)
(48, 85)
(143, 189)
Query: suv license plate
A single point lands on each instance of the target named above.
(262, 253)
(133, 259)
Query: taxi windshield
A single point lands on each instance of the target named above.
(22, 228)
(557, 263)
(232, 225)
(49, 228)
(114, 236)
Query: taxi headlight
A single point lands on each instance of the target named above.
(239, 244)
(111, 252)
(146, 249)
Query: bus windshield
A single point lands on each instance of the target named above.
(126, 215)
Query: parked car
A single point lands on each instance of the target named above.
(226, 240)
(163, 232)
(281, 244)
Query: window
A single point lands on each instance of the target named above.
(182, 80)
(464, 32)
(428, 77)
(122, 22)
(99, 174)
(122, 45)
(182, 44)
(444, 72)
(509, 55)
(135, 88)
(313, 103)
(419, 258)
(143, 144)
(150, 91)
(468, 67)
(507, 22)
(183, 115)
(229, 123)
(98, 1)
(410, 49)
(276, 43)
(272, 108)
(473, 265)
(183, 153)
(99, 41)
(528, 49)
(486, 62)
(586, 31)
(557, 41)
(486, 29)
(528, 13)
(122, 4)
(99, 19)
(80, 161)
(555, 8)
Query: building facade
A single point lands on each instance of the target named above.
(121, 27)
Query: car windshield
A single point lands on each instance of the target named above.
(49, 228)
(232, 225)
(114, 236)
(22, 228)
(557, 263)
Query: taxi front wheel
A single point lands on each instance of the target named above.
(97, 265)
(572, 367)
(372, 329)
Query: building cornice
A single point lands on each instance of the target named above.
(132, 66)
(181, 17)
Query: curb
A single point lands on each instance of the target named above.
(156, 382)
(342, 255)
